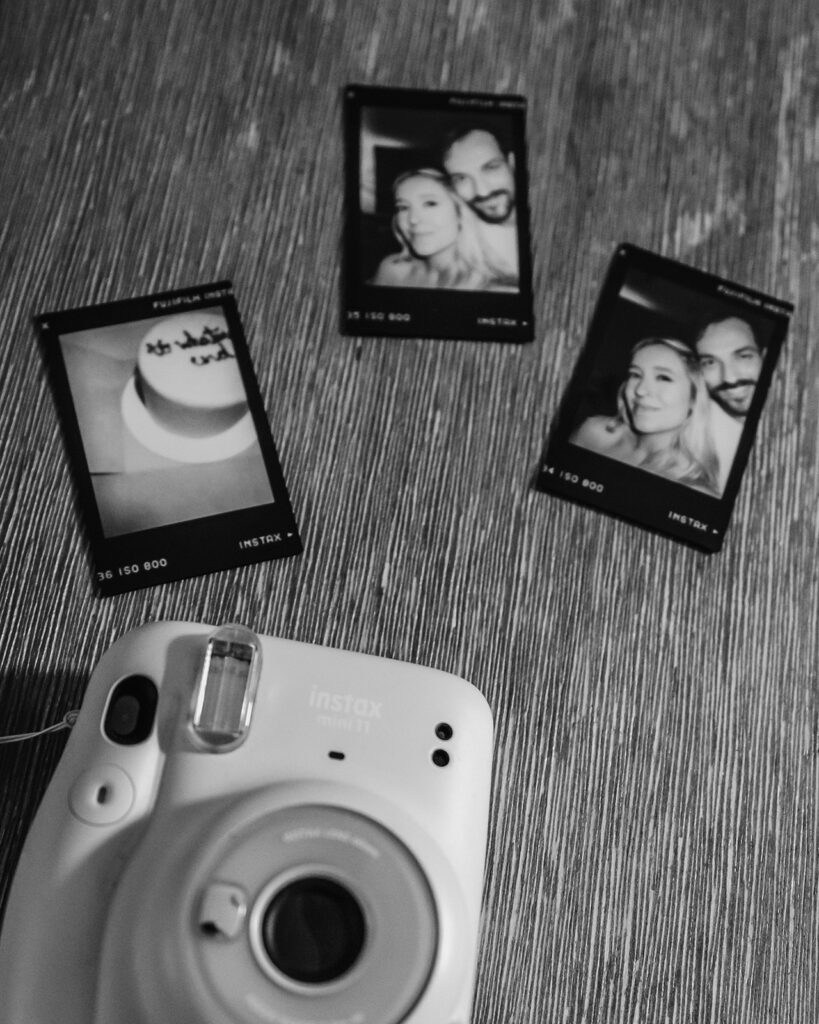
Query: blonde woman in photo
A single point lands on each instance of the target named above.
(441, 244)
(663, 421)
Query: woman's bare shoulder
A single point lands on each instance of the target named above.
(394, 271)
(600, 433)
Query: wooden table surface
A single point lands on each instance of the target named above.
(653, 845)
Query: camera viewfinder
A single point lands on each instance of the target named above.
(131, 709)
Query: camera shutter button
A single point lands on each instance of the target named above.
(102, 795)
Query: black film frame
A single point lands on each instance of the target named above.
(417, 119)
(194, 546)
(688, 298)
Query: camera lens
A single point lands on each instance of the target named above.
(313, 930)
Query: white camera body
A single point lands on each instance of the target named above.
(245, 830)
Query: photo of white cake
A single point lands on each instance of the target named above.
(187, 375)
(186, 399)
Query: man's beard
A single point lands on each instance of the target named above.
(493, 212)
(723, 393)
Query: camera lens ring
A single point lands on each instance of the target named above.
(275, 848)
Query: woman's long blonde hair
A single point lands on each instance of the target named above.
(473, 265)
(690, 456)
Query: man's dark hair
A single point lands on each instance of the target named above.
(494, 128)
(711, 321)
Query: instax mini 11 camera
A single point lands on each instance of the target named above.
(245, 830)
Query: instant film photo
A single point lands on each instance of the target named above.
(660, 415)
(437, 218)
(174, 460)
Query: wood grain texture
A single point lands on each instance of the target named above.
(653, 853)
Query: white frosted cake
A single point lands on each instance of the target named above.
(187, 375)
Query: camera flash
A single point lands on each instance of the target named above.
(226, 691)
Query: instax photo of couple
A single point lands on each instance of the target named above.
(437, 241)
(661, 412)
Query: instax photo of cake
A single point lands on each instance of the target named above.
(172, 450)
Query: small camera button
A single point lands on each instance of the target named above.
(102, 795)
(223, 911)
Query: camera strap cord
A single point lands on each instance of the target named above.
(67, 722)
